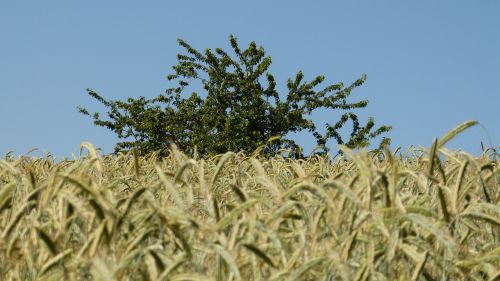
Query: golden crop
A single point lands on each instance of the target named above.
(363, 216)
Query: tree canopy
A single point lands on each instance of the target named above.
(240, 109)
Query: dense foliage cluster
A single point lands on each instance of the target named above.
(241, 111)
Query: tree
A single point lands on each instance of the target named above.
(241, 111)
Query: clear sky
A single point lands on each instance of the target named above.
(430, 64)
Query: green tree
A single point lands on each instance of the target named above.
(241, 111)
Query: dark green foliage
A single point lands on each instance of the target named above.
(241, 111)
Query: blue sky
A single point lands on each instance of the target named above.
(430, 64)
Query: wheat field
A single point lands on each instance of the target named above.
(422, 214)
